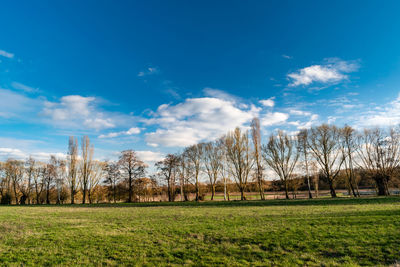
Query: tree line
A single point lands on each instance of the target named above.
(238, 161)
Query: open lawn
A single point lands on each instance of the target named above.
(275, 232)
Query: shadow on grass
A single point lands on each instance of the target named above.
(237, 203)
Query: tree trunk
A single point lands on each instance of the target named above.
(15, 194)
(197, 189)
(242, 196)
(130, 188)
(182, 189)
(115, 193)
(309, 187)
(48, 195)
(212, 191)
(333, 192)
(72, 196)
(380, 184)
(261, 189)
(84, 195)
(224, 188)
(286, 189)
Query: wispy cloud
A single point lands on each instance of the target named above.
(333, 70)
(148, 71)
(80, 112)
(14, 104)
(286, 56)
(6, 54)
(131, 131)
(15, 153)
(388, 115)
(24, 88)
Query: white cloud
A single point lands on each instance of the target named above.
(389, 115)
(14, 104)
(268, 102)
(6, 54)
(23, 87)
(148, 71)
(286, 56)
(332, 71)
(82, 112)
(273, 118)
(196, 120)
(14, 153)
(216, 93)
(131, 131)
(297, 112)
(149, 156)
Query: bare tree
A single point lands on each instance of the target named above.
(324, 143)
(30, 169)
(168, 168)
(86, 166)
(348, 148)
(113, 177)
(212, 157)
(224, 166)
(60, 179)
(73, 167)
(256, 137)
(239, 158)
(50, 176)
(184, 172)
(39, 172)
(302, 138)
(194, 154)
(379, 153)
(97, 171)
(281, 155)
(15, 171)
(315, 177)
(132, 167)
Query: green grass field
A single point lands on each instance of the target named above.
(277, 232)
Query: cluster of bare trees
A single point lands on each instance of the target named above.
(335, 151)
(323, 153)
(59, 180)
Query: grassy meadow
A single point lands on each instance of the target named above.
(318, 232)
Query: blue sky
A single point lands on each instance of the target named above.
(155, 76)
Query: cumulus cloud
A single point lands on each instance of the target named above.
(196, 120)
(273, 118)
(333, 70)
(268, 102)
(131, 131)
(6, 54)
